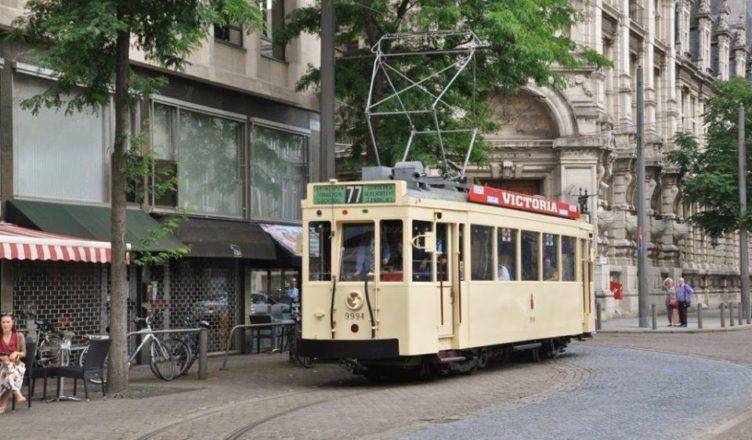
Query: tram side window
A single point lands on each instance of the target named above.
(481, 252)
(506, 245)
(357, 251)
(550, 257)
(391, 250)
(422, 267)
(319, 251)
(568, 259)
(462, 252)
(529, 256)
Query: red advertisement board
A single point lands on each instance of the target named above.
(508, 199)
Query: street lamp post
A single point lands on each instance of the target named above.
(743, 246)
(328, 30)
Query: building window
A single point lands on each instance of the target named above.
(273, 16)
(205, 153)
(230, 34)
(59, 156)
(280, 173)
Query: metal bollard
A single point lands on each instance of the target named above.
(652, 314)
(723, 315)
(597, 315)
(699, 315)
(731, 314)
(203, 365)
(739, 313)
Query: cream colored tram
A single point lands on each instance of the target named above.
(405, 277)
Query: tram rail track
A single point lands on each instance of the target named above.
(228, 406)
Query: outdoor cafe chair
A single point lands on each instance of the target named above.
(92, 368)
(31, 351)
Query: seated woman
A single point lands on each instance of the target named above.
(12, 368)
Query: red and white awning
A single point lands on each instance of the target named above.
(17, 243)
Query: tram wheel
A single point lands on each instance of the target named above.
(482, 358)
(535, 353)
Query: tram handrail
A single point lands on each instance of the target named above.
(229, 337)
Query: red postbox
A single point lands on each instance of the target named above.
(616, 289)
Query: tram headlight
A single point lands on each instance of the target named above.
(354, 300)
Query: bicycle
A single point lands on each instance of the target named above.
(187, 359)
(49, 341)
(165, 355)
(303, 361)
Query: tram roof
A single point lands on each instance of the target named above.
(335, 193)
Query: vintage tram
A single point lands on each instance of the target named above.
(405, 272)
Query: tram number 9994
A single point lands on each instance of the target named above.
(355, 315)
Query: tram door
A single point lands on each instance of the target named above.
(587, 300)
(445, 233)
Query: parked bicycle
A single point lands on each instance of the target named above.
(303, 361)
(166, 356)
(49, 341)
(191, 340)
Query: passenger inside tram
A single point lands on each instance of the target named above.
(391, 250)
(357, 252)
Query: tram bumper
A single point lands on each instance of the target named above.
(343, 349)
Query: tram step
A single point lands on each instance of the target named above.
(524, 347)
(451, 359)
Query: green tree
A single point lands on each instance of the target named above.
(87, 44)
(710, 175)
(523, 40)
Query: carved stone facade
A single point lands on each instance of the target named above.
(583, 138)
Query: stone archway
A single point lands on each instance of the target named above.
(524, 147)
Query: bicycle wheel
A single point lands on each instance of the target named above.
(165, 358)
(180, 348)
(48, 351)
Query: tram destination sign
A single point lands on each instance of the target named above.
(353, 194)
(523, 202)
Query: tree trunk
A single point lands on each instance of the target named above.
(118, 367)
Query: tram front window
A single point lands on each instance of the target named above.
(391, 250)
(357, 252)
(319, 251)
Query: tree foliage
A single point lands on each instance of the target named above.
(87, 46)
(710, 175)
(523, 40)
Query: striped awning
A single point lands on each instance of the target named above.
(17, 243)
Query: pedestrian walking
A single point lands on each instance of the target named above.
(684, 299)
(670, 291)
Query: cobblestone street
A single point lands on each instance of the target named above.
(616, 386)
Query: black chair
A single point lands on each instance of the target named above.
(261, 332)
(31, 352)
(93, 366)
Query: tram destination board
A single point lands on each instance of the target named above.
(353, 194)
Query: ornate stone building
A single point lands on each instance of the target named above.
(583, 138)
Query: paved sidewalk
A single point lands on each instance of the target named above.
(711, 322)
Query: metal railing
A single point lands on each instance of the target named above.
(250, 326)
(202, 344)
